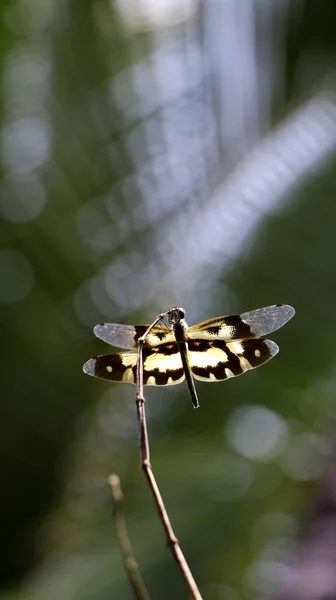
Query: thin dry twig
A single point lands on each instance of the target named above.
(130, 563)
(172, 540)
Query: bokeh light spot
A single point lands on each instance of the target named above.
(302, 459)
(22, 197)
(266, 575)
(270, 525)
(25, 144)
(256, 432)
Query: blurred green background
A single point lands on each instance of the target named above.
(153, 154)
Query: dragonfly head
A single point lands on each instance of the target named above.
(175, 315)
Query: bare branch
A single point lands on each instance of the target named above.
(130, 563)
(172, 540)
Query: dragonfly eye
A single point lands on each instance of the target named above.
(175, 315)
(180, 313)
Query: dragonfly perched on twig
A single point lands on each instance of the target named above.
(213, 350)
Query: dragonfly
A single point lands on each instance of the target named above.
(213, 350)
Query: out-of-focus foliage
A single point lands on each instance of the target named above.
(156, 154)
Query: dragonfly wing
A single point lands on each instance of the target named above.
(219, 360)
(268, 319)
(255, 323)
(122, 336)
(126, 336)
(161, 366)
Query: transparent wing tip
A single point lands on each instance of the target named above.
(272, 346)
(99, 330)
(287, 312)
(89, 367)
